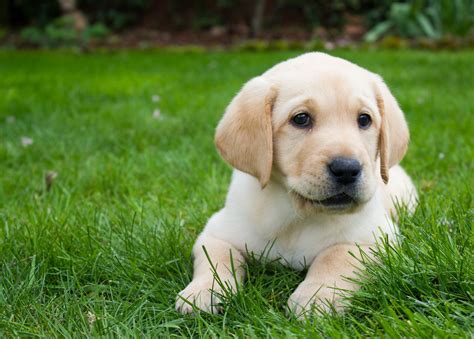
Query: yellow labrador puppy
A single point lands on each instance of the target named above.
(315, 142)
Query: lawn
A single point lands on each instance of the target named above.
(105, 245)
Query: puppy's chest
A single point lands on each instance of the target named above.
(297, 244)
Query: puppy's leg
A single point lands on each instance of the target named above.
(216, 263)
(325, 277)
(399, 190)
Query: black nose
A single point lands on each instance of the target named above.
(345, 170)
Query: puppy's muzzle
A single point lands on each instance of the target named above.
(345, 171)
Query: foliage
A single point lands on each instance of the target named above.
(103, 249)
(426, 18)
(404, 18)
(116, 14)
(32, 35)
(330, 14)
(60, 32)
(96, 31)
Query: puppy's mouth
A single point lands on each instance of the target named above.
(338, 201)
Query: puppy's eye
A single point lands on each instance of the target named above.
(302, 120)
(364, 120)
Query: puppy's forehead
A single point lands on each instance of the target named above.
(331, 83)
(313, 62)
(323, 82)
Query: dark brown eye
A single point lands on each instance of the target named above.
(364, 120)
(302, 120)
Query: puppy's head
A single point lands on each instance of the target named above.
(325, 128)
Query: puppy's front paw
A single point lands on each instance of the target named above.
(310, 297)
(201, 295)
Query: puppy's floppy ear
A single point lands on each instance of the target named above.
(244, 135)
(394, 135)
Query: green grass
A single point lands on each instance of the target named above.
(106, 249)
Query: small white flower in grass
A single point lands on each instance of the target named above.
(212, 64)
(447, 222)
(10, 119)
(157, 114)
(91, 318)
(329, 45)
(155, 98)
(441, 156)
(26, 141)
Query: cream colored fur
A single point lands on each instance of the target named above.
(280, 170)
